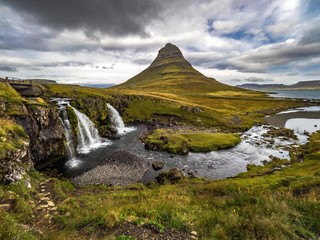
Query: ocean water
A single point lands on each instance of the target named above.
(304, 94)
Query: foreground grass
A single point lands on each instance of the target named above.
(183, 141)
(283, 204)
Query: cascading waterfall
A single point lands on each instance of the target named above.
(117, 122)
(71, 150)
(88, 136)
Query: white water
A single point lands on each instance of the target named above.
(117, 122)
(302, 109)
(88, 136)
(71, 151)
(302, 125)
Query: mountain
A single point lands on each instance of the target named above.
(314, 84)
(170, 71)
(254, 86)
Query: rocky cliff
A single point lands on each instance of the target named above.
(46, 133)
(31, 134)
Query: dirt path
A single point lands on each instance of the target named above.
(45, 208)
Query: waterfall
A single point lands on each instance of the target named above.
(117, 122)
(71, 151)
(88, 136)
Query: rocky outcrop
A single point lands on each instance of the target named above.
(46, 133)
(16, 163)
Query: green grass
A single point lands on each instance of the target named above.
(12, 136)
(182, 141)
(9, 94)
(280, 205)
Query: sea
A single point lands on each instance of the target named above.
(304, 94)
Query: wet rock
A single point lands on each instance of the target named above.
(191, 174)
(173, 176)
(157, 165)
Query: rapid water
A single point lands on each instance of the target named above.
(88, 136)
(117, 122)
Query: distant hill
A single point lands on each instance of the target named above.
(171, 72)
(314, 84)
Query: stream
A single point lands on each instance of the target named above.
(255, 148)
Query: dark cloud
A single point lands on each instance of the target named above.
(8, 69)
(311, 35)
(67, 64)
(112, 17)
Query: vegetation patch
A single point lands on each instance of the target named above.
(12, 136)
(283, 133)
(183, 141)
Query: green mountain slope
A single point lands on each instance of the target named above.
(171, 72)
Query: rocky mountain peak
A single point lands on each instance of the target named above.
(169, 54)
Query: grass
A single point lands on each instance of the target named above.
(182, 141)
(12, 136)
(222, 107)
(280, 205)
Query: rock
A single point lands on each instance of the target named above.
(157, 165)
(46, 133)
(51, 204)
(15, 164)
(191, 174)
(195, 110)
(194, 233)
(173, 176)
(5, 207)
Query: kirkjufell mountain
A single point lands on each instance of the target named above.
(171, 72)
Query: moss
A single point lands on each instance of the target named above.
(12, 136)
(183, 141)
(9, 94)
(281, 132)
(73, 122)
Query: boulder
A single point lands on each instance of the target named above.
(157, 165)
(173, 176)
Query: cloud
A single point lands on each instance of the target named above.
(111, 67)
(112, 17)
(67, 64)
(8, 69)
(256, 79)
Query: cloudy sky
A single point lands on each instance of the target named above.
(109, 41)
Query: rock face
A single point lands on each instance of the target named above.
(15, 164)
(46, 134)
